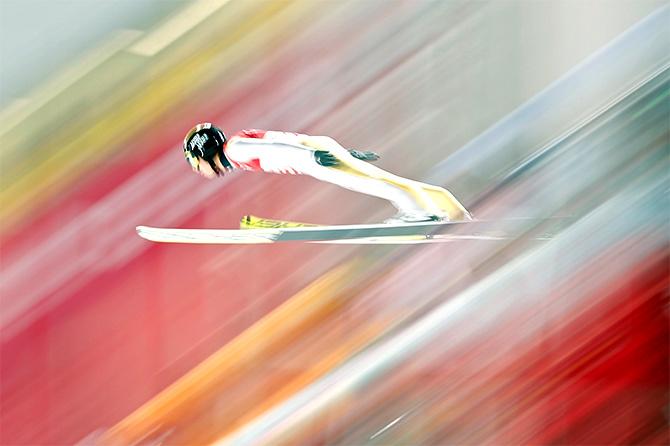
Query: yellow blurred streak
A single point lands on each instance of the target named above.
(74, 152)
(176, 26)
(276, 331)
(20, 110)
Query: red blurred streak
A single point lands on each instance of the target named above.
(569, 401)
(637, 371)
(551, 397)
(539, 395)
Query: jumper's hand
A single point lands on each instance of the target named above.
(325, 158)
(364, 155)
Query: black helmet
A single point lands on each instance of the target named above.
(204, 141)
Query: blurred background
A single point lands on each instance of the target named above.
(520, 108)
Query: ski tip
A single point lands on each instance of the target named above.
(147, 233)
(142, 231)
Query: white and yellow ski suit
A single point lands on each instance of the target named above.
(293, 153)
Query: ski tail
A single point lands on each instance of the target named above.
(254, 222)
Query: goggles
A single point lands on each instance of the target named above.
(192, 160)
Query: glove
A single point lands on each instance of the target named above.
(364, 155)
(325, 158)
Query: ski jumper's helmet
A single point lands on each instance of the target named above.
(204, 141)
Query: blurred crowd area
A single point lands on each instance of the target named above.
(523, 109)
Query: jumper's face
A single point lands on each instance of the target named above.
(203, 168)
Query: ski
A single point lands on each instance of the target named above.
(258, 230)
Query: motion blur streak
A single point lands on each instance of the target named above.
(522, 109)
(184, 405)
(459, 325)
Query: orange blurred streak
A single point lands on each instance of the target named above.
(361, 338)
(175, 411)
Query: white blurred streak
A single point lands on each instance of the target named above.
(589, 119)
(407, 42)
(176, 26)
(388, 426)
(18, 111)
(635, 54)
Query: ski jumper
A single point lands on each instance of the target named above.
(293, 153)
